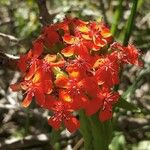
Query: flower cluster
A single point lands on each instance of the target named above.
(74, 65)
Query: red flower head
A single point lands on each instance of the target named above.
(74, 65)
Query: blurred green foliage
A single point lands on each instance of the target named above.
(21, 19)
(25, 16)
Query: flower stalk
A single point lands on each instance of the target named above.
(130, 23)
(85, 129)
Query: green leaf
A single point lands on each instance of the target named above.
(122, 103)
(134, 85)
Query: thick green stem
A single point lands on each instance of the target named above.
(97, 135)
(85, 130)
(130, 23)
(101, 132)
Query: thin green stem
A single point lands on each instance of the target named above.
(130, 23)
(128, 31)
(27, 121)
(102, 7)
(55, 138)
(117, 16)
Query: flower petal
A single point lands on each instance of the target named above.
(50, 58)
(16, 87)
(22, 64)
(106, 33)
(83, 28)
(39, 96)
(72, 124)
(65, 96)
(26, 102)
(93, 106)
(37, 48)
(69, 39)
(31, 72)
(68, 51)
(61, 82)
(54, 122)
(105, 114)
(98, 41)
(86, 36)
(47, 86)
(37, 76)
(50, 102)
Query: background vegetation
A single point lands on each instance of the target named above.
(21, 22)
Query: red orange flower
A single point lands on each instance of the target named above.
(74, 65)
(61, 113)
(37, 87)
(103, 102)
